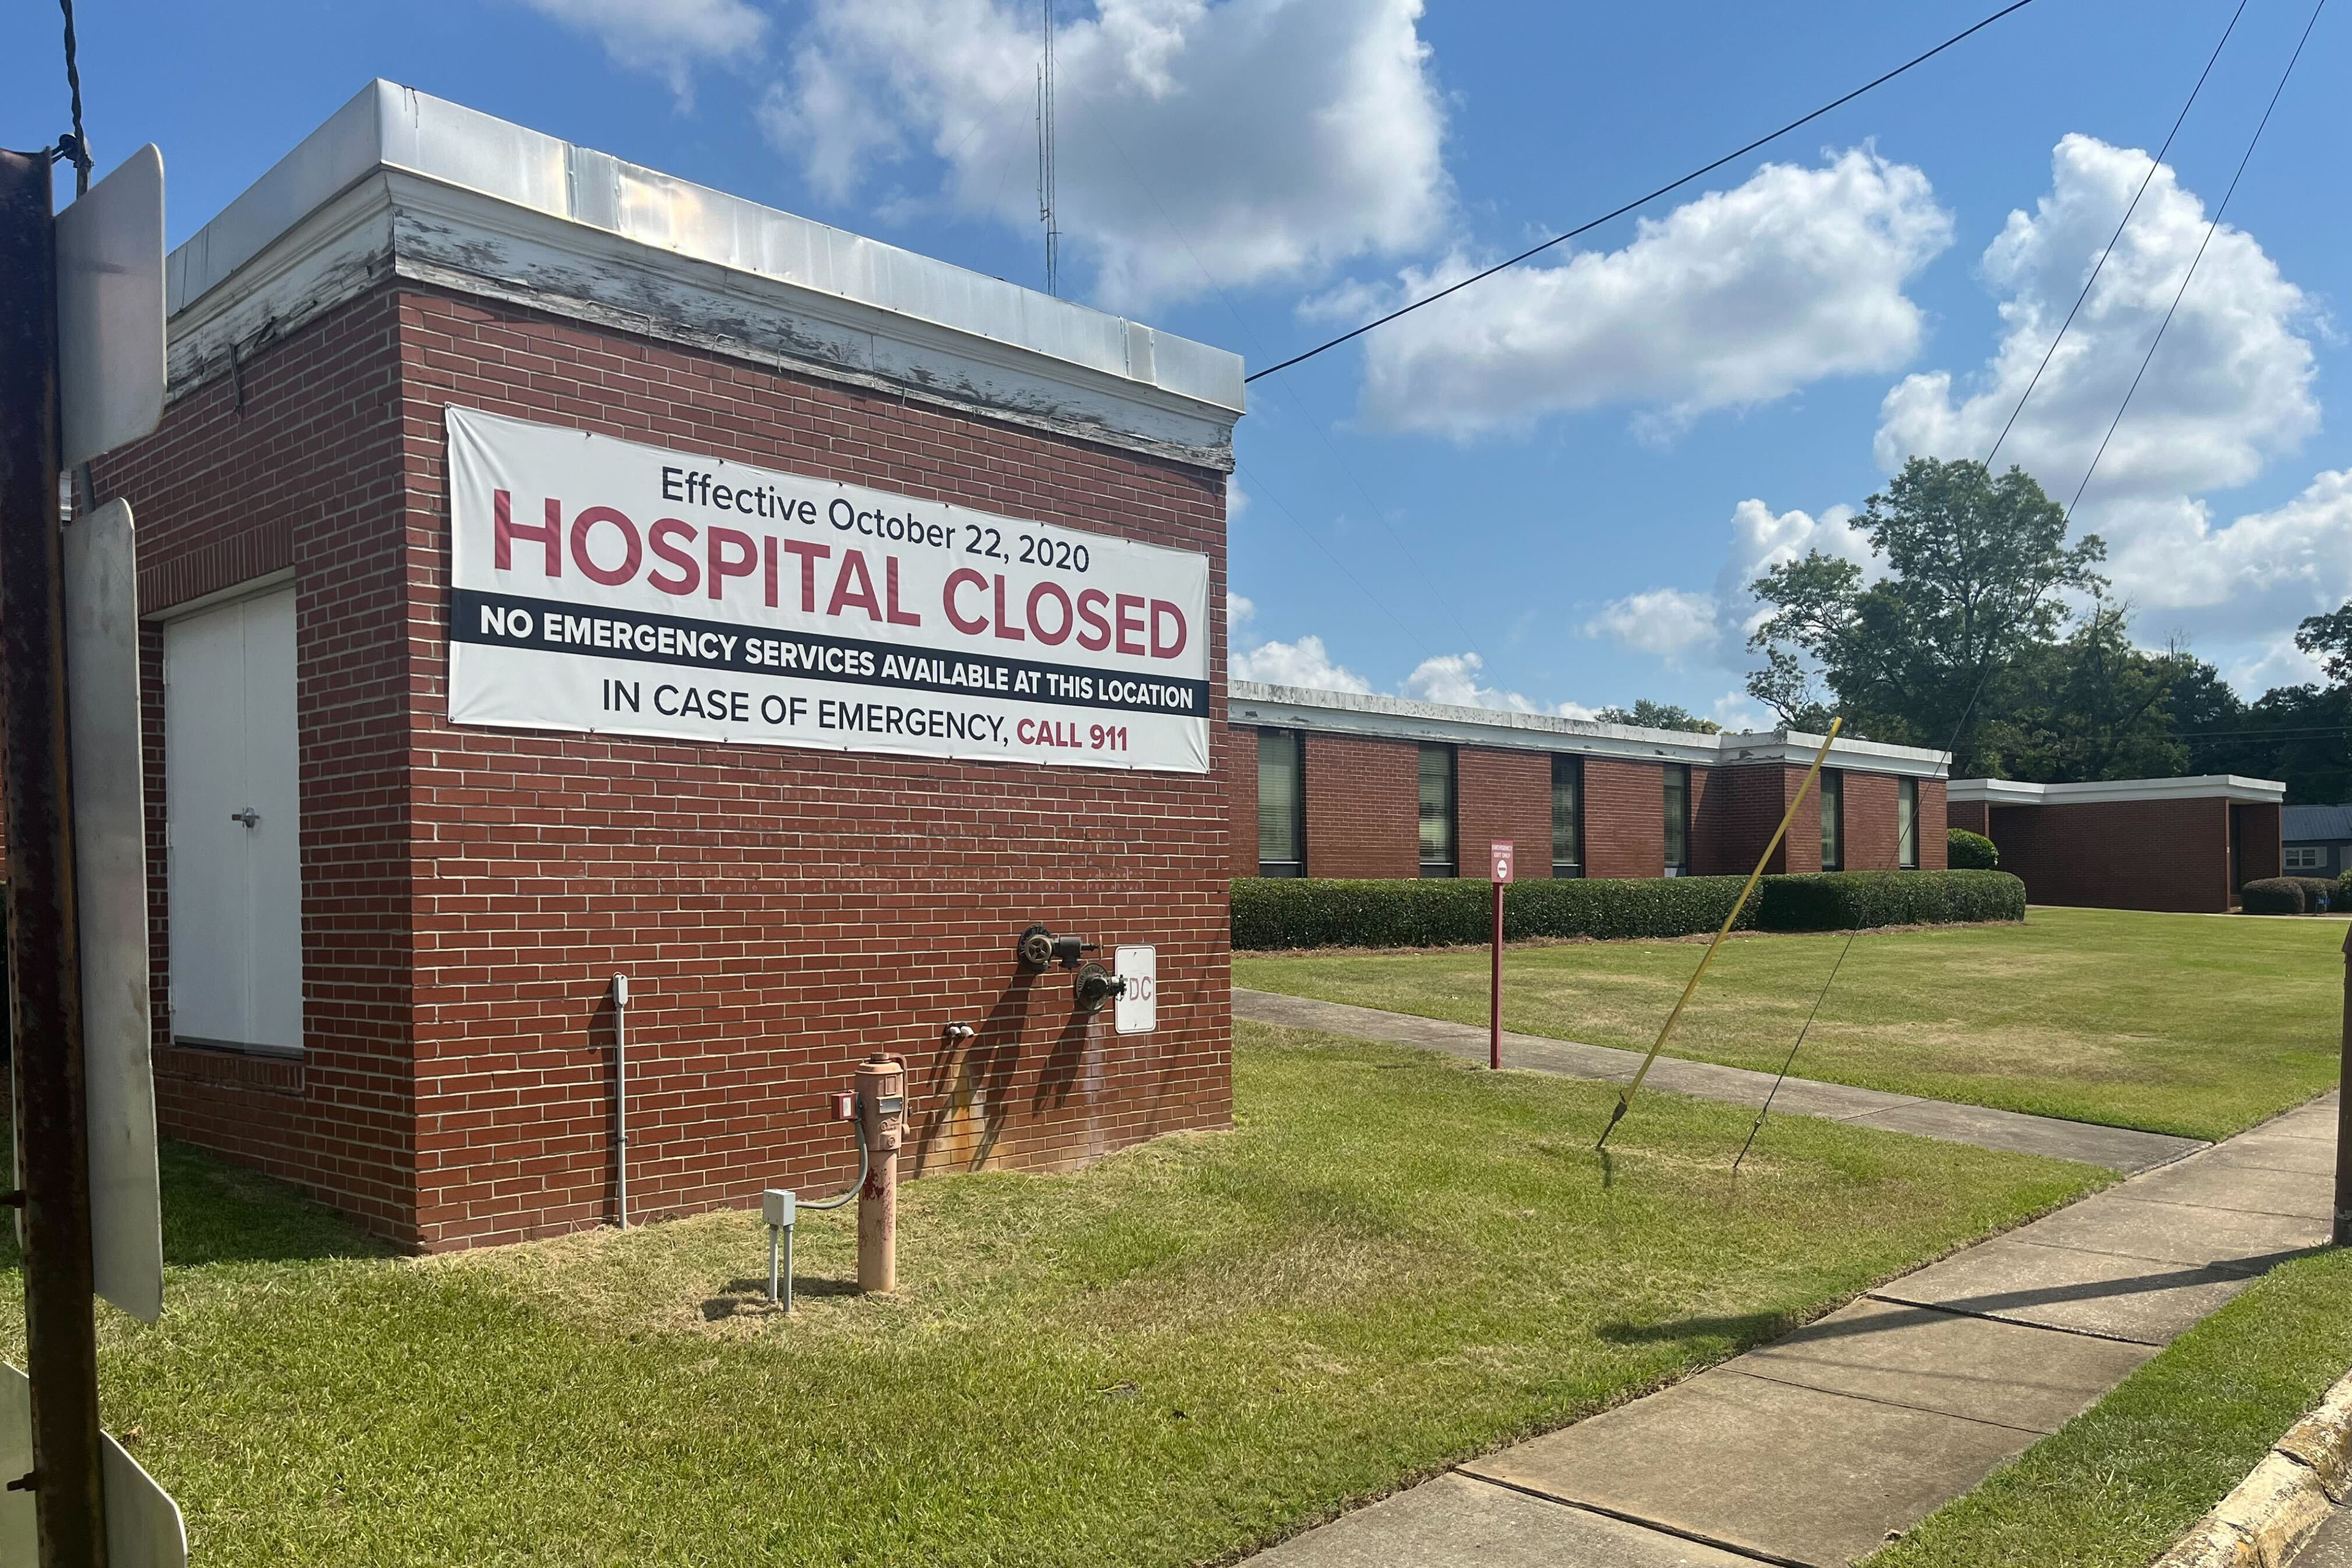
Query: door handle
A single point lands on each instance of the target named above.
(250, 816)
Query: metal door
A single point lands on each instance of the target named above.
(232, 801)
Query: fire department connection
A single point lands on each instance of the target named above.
(877, 1109)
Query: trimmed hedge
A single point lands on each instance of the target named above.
(1274, 913)
(1970, 851)
(1849, 900)
(2272, 895)
(2315, 889)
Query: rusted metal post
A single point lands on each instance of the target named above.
(2342, 1234)
(882, 1116)
(44, 955)
(1494, 990)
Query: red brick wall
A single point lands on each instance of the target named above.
(1624, 818)
(1934, 847)
(1968, 815)
(306, 470)
(1363, 807)
(2124, 855)
(1503, 794)
(1874, 830)
(1240, 795)
(779, 913)
(2260, 852)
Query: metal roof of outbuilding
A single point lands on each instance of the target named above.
(2316, 823)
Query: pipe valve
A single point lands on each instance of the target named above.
(1097, 986)
(1040, 948)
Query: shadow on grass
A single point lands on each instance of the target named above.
(1745, 1329)
(750, 1296)
(217, 1212)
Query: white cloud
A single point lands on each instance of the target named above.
(2229, 388)
(1685, 628)
(2258, 572)
(1305, 663)
(1452, 679)
(2276, 663)
(1258, 139)
(1239, 611)
(1736, 712)
(1668, 623)
(1734, 300)
(669, 39)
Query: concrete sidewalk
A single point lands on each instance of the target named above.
(2011, 1131)
(1811, 1450)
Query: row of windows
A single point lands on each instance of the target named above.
(1282, 813)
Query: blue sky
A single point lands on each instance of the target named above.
(1549, 492)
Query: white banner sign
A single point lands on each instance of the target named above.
(605, 586)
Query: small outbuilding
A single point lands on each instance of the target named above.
(555, 571)
(2184, 844)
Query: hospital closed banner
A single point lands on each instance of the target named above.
(608, 587)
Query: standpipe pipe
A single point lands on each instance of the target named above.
(881, 1124)
(621, 1098)
(1626, 1095)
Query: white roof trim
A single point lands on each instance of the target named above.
(562, 225)
(2201, 787)
(1397, 718)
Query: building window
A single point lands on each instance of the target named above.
(1437, 855)
(1281, 805)
(1833, 788)
(1677, 819)
(2309, 859)
(1907, 824)
(1567, 817)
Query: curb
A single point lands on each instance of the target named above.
(2270, 1514)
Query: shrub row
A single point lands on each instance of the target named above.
(1849, 900)
(2292, 895)
(1969, 851)
(1316, 912)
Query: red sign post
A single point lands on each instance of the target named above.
(1500, 859)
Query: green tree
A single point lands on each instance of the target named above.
(1977, 569)
(1651, 715)
(2090, 706)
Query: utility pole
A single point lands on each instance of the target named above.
(1045, 195)
(2341, 1230)
(44, 958)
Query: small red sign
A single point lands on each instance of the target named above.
(1500, 851)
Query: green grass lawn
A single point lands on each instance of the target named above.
(1393, 1262)
(2118, 1484)
(2187, 1024)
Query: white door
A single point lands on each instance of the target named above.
(233, 805)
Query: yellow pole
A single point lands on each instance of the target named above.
(1625, 1097)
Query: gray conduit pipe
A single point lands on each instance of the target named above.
(621, 1098)
(865, 1163)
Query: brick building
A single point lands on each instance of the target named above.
(2184, 844)
(1346, 785)
(388, 939)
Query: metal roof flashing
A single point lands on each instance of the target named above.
(398, 183)
(2200, 786)
(1398, 718)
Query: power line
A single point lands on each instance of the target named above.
(2252, 142)
(80, 151)
(1950, 747)
(2145, 180)
(1699, 173)
(1313, 424)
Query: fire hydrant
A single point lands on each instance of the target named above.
(882, 1121)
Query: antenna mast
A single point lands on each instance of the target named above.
(1045, 160)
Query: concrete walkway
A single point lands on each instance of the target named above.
(1814, 1449)
(2012, 1133)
